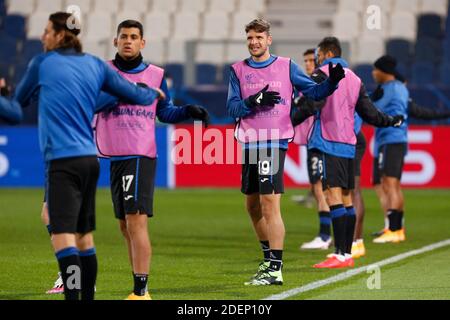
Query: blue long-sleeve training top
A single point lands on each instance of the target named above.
(237, 107)
(68, 84)
(394, 102)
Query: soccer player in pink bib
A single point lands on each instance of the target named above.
(260, 96)
(126, 135)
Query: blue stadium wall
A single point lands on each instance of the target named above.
(22, 165)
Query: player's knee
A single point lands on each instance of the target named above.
(334, 199)
(85, 242)
(136, 223)
(44, 215)
(254, 209)
(123, 228)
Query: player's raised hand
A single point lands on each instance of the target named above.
(336, 73)
(264, 98)
(162, 95)
(199, 113)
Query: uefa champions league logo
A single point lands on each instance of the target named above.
(249, 77)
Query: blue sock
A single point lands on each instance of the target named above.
(325, 225)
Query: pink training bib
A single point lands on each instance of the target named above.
(266, 123)
(129, 130)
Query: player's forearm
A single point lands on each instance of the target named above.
(10, 110)
(423, 113)
(126, 91)
(315, 91)
(106, 102)
(237, 108)
(370, 114)
(168, 113)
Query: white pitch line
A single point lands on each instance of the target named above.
(354, 272)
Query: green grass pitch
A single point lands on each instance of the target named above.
(204, 248)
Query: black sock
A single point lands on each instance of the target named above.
(276, 259)
(350, 223)
(265, 246)
(338, 213)
(140, 284)
(88, 260)
(401, 219)
(395, 219)
(325, 225)
(70, 267)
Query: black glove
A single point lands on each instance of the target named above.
(336, 74)
(305, 108)
(377, 94)
(264, 98)
(199, 113)
(396, 121)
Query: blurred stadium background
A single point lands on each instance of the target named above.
(197, 40)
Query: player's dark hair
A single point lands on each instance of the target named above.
(258, 25)
(131, 24)
(67, 23)
(331, 44)
(309, 51)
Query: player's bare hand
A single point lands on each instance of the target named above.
(162, 95)
(5, 90)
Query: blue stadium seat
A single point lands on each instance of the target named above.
(428, 49)
(226, 74)
(364, 71)
(176, 72)
(429, 25)
(446, 50)
(2, 10)
(31, 48)
(206, 73)
(445, 74)
(8, 47)
(14, 25)
(4, 70)
(404, 69)
(400, 49)
(423, 72)
(19, 71)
